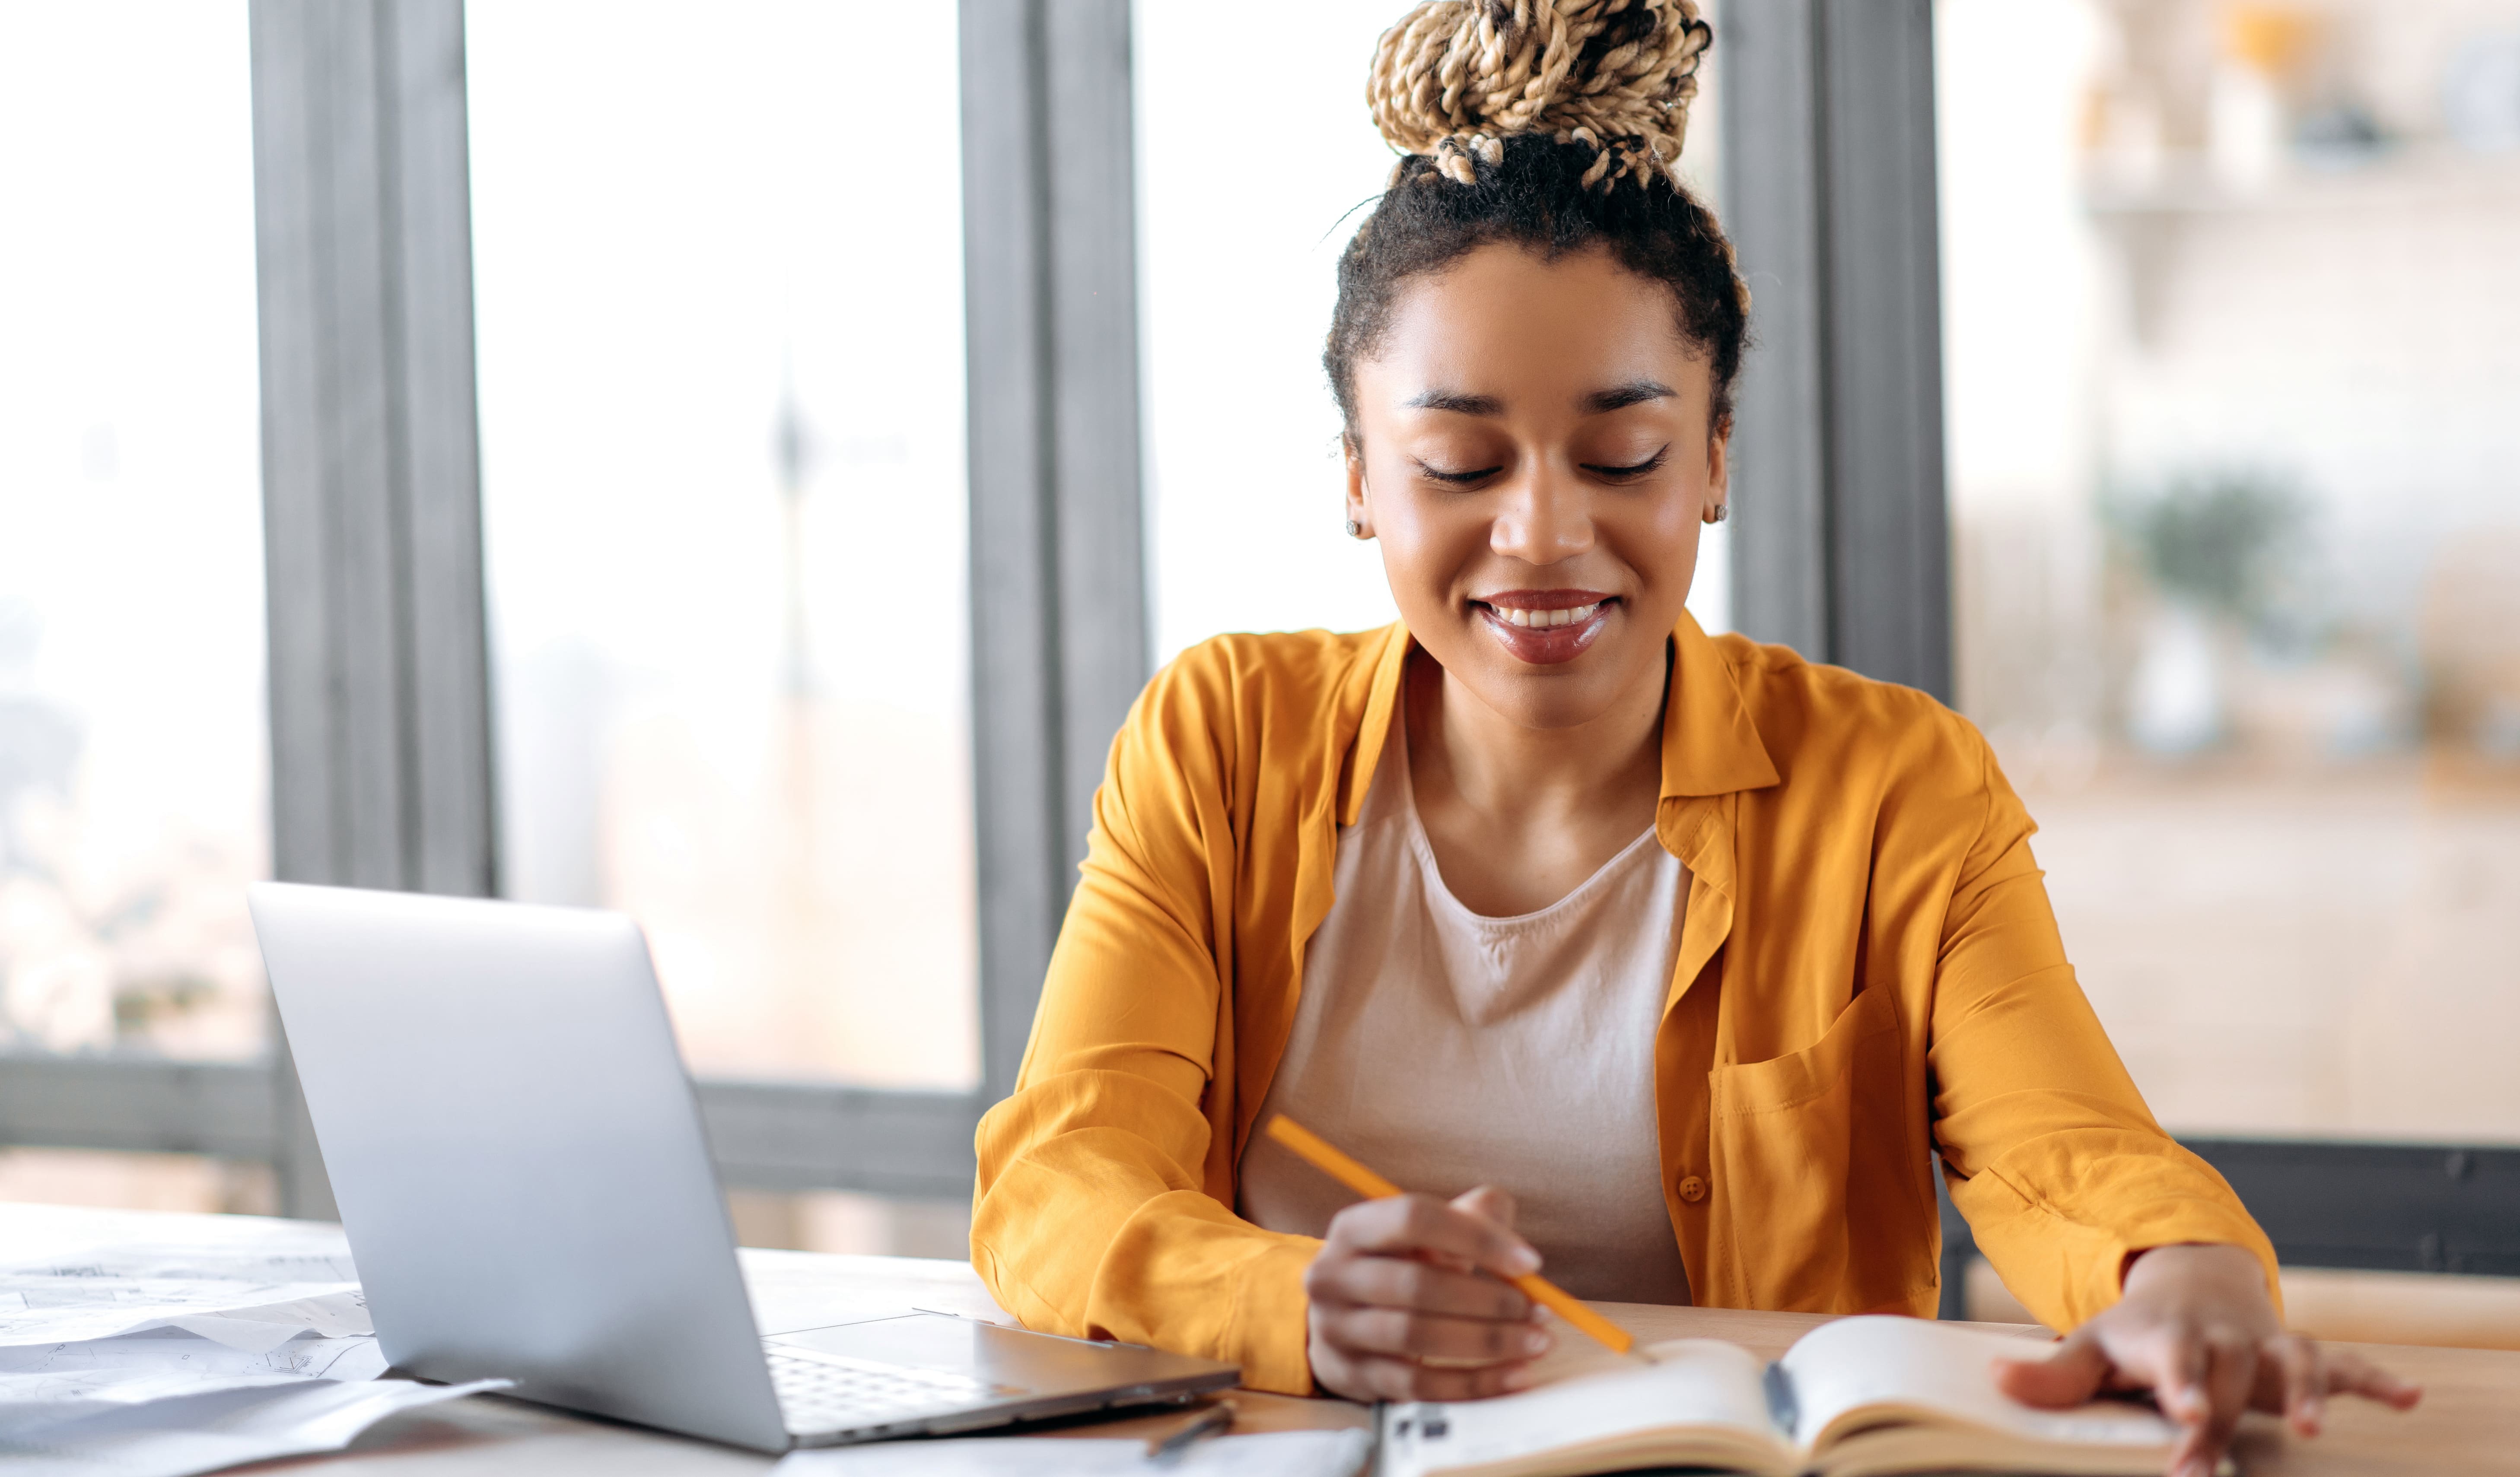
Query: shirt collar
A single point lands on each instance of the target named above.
(1709, 745)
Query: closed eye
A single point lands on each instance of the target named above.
(1457, 478)
(1632, 469)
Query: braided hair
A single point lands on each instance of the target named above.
(1553, 125)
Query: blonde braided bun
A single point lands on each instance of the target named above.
(1455, 78)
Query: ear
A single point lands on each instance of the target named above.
(1719, 463)
(1356, 509)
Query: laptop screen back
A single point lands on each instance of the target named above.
(517, 1154)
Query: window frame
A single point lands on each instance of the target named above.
(382, 772)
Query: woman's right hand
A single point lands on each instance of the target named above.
(1407, 1301)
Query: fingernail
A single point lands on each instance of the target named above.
(1536, 1341)
(1516, 1379)
(1522, 1261)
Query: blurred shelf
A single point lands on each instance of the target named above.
(2411, 175)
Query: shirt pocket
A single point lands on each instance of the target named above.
(1825, 1204)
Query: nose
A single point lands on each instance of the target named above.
(1544, 517)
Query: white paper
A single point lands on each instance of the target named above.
(795, 1291)
(249, 1298)
(41, 1383)
(1276, 1454)
(201, 1433)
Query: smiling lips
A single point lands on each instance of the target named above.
(1545, 627)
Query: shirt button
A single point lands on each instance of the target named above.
(1692, 1189)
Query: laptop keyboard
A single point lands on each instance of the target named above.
(827, 1392)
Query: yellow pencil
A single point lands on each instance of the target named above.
(1319, 1152)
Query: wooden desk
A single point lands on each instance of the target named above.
(2469, 1423)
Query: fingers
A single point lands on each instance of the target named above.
(1399, 1282)
(1400, 1310)
(2352, 1374)
(2069, 1376)
(1424, 1225)
(2293, 1378)
(2173, 1358)
(2172, 1363)
(1408, 1334)
(2232, 1376)
(1370, 1377)
(1488, 1202)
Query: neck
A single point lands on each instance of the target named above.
(1520, 776)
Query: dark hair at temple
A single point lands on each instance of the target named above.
(1534, 197)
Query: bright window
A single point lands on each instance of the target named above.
(719, 287)
(133, 776)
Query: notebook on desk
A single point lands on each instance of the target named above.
(523, 1175)
(1861, 1397)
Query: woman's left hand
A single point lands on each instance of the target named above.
(2196, 1327)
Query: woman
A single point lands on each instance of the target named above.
(1676, 961)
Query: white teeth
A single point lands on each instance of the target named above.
(1543, 619)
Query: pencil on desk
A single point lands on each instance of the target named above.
(1319, 1152)
(1212, 1422)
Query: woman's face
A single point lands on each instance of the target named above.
(1536, 458)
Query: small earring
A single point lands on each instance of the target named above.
(1355, 529)
(1718, 512)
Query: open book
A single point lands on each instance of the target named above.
(1855, 1398)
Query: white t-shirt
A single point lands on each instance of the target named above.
(1449, 1049)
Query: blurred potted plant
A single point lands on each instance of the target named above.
(2217, 545)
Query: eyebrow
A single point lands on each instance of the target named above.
(1618, 397)
(1458, 403)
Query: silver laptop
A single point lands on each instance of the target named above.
(519, 1164)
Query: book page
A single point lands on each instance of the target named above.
(1845, 1371)
(1701, 1382)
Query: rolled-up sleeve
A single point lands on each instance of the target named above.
(1092, 1214)
(2047, 1144)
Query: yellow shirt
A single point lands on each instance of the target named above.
(1869, 976)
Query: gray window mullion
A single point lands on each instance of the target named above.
(787, 1136)
(1018, 766)
(380, 754)
(451, 774)
(1890, 555)
(1774, 187)
(1058, 614)
(137, 1105)
(1840, 541)
(1104, 636)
